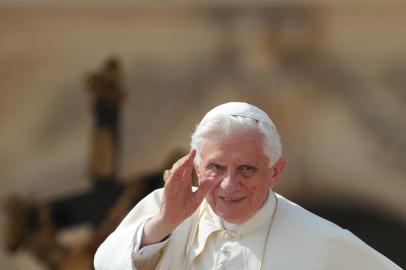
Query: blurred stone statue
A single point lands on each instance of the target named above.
(34, 225)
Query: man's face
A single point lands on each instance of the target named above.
(242, 166)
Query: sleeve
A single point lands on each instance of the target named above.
(147, 251)
(348, 252)
(117, 251)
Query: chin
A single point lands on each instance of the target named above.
(232, 218)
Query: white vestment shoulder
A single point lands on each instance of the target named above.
(297, 239)
(300, 239)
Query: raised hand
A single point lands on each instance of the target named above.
(179, 200)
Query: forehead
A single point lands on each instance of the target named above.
(245, 147)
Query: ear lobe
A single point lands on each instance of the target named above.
(276, 171)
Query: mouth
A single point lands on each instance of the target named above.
(228, 200)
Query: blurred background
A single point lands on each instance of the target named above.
(98, 97)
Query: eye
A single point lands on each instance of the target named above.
(247, 170)
(216, 167)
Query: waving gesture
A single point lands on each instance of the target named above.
(179, 200)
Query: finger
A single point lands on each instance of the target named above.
(181, 161)
(188, 169)
(169, 173)
(184, 166)
(205, 187)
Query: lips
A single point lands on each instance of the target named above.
(231, 200)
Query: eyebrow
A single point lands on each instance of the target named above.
(211, 161)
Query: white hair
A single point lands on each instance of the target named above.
(228, 125)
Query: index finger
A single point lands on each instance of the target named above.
(181, 168)
(184, 163)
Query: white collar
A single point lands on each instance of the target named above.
(209, 222)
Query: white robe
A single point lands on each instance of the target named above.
(297, 239)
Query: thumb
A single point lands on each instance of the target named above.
(205, 187)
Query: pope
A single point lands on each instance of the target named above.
(233, 219)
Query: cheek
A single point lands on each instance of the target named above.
(203, 174)
(256, 186)
(211, 198)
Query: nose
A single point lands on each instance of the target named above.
(230, 183)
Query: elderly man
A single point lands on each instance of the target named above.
(233, 220)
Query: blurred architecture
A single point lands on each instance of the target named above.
(330, 75)
(34, 226)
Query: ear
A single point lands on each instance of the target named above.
(276, 171)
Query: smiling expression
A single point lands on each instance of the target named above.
(242, 166)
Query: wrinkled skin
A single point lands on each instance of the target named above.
(234, 176)
(241, 169)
